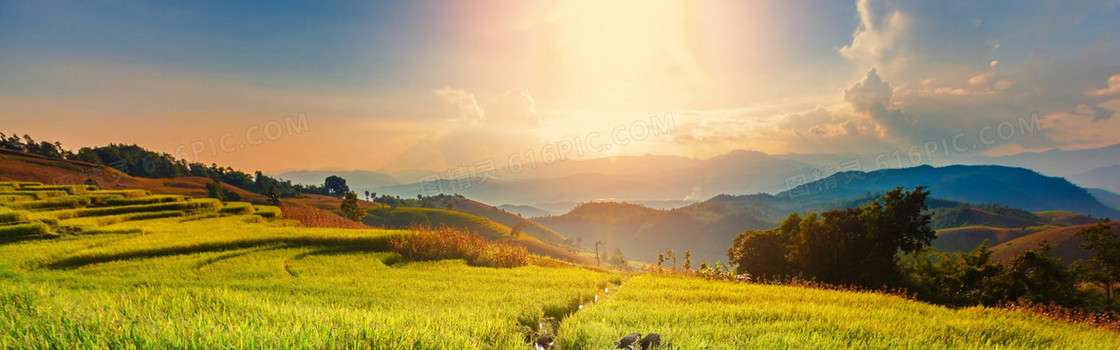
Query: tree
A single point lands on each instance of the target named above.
(761, 254)
(274, 196)
(669, 254)
(1036, 275)
(336, 186)
(956, 279)
(367, 196)
(516, 229)
(618, 258)
(688, 260)
(660, 259)
(1103, 269)
(350, 207)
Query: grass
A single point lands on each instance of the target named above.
(693, 313)
(167, 273)
(403, 217)
(265, 285)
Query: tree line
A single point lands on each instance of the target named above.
(137, 161)
(886, 243)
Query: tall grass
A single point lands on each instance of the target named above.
(313, 217)
(693, 313)
(449, 243)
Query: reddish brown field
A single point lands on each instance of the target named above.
(315, 217)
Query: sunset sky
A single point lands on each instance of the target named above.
(434, 84)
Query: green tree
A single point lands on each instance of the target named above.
(1103, 269)
(761, 254)
(336, 186)
(350, 207)
(956, 279)
(1036, 275)
(214, 189)
(861, 245)
(274, 196)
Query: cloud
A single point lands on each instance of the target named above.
(475, 132)
(960, 65)
(460, 105)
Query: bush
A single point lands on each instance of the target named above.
(448, 243)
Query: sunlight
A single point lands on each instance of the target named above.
(618, 53)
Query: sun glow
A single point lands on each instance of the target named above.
(617, 55)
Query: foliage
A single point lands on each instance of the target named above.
(336, 186)
(1037, 276)
(351, 209)
(314, 217)
(1103, 269)
(955, 279)
(448, 243)
(841, 246)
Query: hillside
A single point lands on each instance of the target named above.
(1013, 187)
(1064, 239)
(167, 281)
(1109, 198)
(1107, 178)
(405, 217)
(527, 226)
(641, 233)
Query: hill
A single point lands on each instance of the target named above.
(527, 226)
(167, 281)
(1107, 178)
(705, 229)
(1064, 239)
(405, 217)
(1012, 187)
(1057, 162)
(524, 210)
(1111, 199)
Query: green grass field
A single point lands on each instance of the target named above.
(197, 276)
(692, 313)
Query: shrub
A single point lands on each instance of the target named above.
(448, 243)
(312, 217)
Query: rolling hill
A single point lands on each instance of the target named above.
(1066, 244)
(705, 229)
(405, 217)
(1013, 187)
(20, 166)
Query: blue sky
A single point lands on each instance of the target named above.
(434, 84)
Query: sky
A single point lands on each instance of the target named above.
(429, 85)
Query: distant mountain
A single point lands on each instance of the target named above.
(1107, 178)
(661, 181)
(1013, 187)
(1111, 199)
(524, 210)
(1057, 162)
(705, 229)
(354, 178)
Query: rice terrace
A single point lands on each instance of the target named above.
(560, 175)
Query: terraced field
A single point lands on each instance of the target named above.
(216, 275)
(129, 269)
